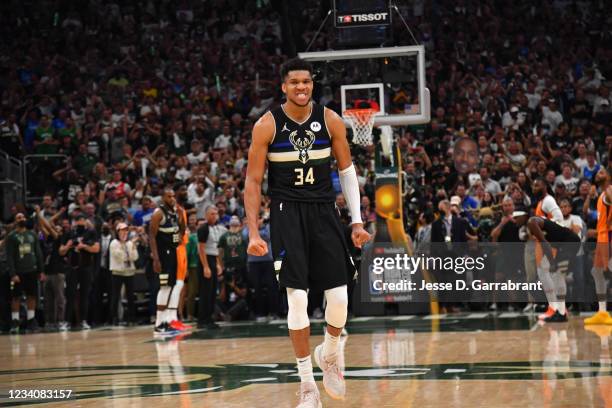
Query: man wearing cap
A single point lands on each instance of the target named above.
(513, 119)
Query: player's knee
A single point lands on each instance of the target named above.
(297, 316)
(336, 309)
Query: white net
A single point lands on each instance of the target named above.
(362, 122)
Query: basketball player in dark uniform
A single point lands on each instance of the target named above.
(559, 245)
(298, 140)
(166, 230)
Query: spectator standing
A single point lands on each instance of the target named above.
(123, 254)
(208, 252)
(26, 268)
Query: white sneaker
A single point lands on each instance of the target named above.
(64, 327)
(333, 380)
(309, 396)
(85, 326)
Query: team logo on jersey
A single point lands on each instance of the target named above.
(315, 126)
(285, 128)
(302, 143)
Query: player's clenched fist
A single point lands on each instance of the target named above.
(359, 235)
(257, 247)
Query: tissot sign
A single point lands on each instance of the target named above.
(362, 19)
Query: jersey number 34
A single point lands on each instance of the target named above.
(300, 180)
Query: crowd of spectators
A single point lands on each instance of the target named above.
(133, 97)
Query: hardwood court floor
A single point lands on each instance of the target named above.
(470, 360)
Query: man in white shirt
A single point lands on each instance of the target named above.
(533, 96)
(551, 117)
(581, 160)
(224, 140)
(196, 156)
(567, 179)
(201, 194)
(489, 184)
(513, 119)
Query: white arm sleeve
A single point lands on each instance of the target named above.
(350, 189)
(550, 206)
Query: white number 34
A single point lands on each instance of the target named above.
(300, 176)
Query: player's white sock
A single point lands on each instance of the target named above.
(560, 291)
(304, 366)
(600, 287)
(330, 346)
(561, 307)
(159, 317)
(163, 297)
(602, 306)
(175, 296)
(167, 316)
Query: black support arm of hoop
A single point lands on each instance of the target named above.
(318, 31)
(393, 6)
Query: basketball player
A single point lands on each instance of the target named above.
(559, 245)
(166, 230)
(602, 248)
(548, 208)
(309, 251)
(181, 263)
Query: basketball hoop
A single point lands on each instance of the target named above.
(362, 122)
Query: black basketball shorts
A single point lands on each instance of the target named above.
(169, 264)
(308, 246)
(28, 284)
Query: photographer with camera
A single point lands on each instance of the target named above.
(233, 259)
(80, 245)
